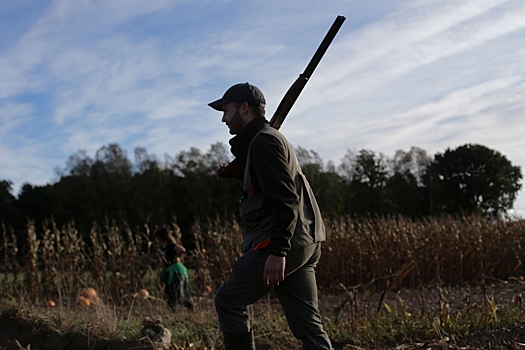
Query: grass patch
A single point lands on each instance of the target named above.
(369, 320)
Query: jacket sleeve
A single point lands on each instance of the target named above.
(269, 167)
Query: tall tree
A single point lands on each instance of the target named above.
(473, 178)
(365, 175)
(326, 183)
(199, 194)
(414, 162)
(37, 202)
(7, 203)
(405, 188)
(111, 175)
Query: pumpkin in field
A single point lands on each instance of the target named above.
(82, 300)
(143, 293)
(89, 293)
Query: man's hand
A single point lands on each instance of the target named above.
(218, 171)
(274, 270)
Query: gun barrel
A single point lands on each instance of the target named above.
(286, 104)
(323, 46)
(295, 90)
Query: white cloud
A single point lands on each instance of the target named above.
(406, 42)
(432, 74)
(12, 115)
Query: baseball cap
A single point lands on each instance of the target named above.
(243, 92)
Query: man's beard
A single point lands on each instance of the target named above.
(236, 123)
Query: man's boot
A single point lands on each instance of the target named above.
(235, 341)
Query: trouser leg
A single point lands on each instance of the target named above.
(169, 294)
(185, 294)
(241, 289)
(177, 292)
(298, 297)
(244, 287)
(233, 341)
(297, 294)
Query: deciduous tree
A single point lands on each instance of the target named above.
(473, 178)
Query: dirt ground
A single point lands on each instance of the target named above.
(17, 333)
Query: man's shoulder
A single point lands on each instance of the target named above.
(269, 136)
(270, 145)
(266, 140)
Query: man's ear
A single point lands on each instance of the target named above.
(244, 108)
(245, 112)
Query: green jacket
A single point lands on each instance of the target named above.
(167, 275)
(278, 205)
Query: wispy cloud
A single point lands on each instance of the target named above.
(434, 74)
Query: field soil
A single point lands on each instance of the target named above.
(18, 332)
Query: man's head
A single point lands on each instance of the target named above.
(240, 104)
(243, 92)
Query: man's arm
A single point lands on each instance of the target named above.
(270, 165)
(272, 173)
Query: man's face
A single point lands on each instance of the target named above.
(232, 117)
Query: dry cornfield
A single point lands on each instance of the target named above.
(402, 253)
(391, 252)
(386, 276)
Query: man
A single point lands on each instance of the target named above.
(282, 225)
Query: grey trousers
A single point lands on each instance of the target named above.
(297, 295)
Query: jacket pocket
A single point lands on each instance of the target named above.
(252, 207)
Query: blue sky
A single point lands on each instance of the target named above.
(80, 74)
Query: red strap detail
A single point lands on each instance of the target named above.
(252, 189)
(262, 244)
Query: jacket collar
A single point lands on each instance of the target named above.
(239, 144)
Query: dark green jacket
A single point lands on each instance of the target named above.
(277, 203)
(167, 275)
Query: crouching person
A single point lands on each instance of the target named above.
(174, 275)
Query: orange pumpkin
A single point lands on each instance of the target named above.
(83, 301)
(143, 293)
(89, 293)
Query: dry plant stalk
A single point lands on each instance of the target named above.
(371, 253)
(412, 254)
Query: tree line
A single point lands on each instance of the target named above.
(148, 191)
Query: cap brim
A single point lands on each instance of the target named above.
(217, 105)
